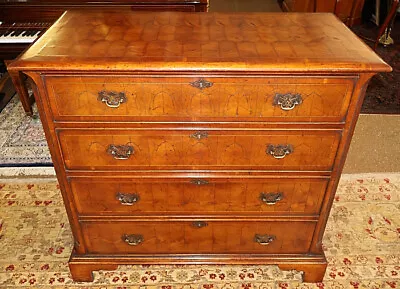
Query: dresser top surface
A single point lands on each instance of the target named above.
(180, 41)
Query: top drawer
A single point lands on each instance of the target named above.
(105, 98)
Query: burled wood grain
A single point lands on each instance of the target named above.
(190, 98)
(169, 196)
(162, 98)
(149, 41)
(222, 149)
(183, 237)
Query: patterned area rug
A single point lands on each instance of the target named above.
(22, 140)
(362, 244)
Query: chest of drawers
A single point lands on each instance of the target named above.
(198, 139)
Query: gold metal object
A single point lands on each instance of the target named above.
(279, 151)
(132, 239)
(111, 98)
(386, 39)
(271, 198)
(199, 182)
(120, 152)
(199, 224)
(264, 239)
(201, 84)
(287, 101)
(127, 199)
(199, 135)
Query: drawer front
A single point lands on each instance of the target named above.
(197, 236)
(186, 99)
(228, 149)
(173, 196)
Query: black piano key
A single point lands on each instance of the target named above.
(18, 32)
(15, 32)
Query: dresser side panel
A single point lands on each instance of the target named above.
(351, 120)
(40, 95)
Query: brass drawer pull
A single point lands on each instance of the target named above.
(199, 182)
(264, 239)
(279, 151)
(199, 135)
(132, 239)
(199, 224)
(111, 98)
(287, 101)
(127, 199)
(120, 152)
(201, 84)
(271, 198)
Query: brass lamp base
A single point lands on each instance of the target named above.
(385, 39)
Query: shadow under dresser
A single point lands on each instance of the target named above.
(183, 138)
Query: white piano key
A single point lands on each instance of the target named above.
(18, 39)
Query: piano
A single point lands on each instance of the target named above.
(23, 21)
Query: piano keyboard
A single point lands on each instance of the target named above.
(21, 32)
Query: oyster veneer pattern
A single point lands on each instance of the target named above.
(224, 149)
(212, 138)
(175, 98)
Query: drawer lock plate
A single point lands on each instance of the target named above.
(201, 84)
(199, 224)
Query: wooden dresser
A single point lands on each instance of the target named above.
(198, 138)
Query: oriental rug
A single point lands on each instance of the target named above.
(22, 139)
(361, 242)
